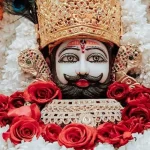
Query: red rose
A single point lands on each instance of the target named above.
(51, 132)
(113, 134)
(16, 100)
(138, 111)
(147, 126)
(30, 111)
(123, 134)
(105, 132)
(22, 128)
(3, 102)
(139, 94)
(42, 92)
(133, 124)
(118, 91)
(4, 119)
(78, 136)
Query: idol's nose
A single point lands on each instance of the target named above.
(83, 69)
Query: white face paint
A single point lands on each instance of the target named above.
(74, 57)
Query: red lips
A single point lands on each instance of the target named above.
(82, 83)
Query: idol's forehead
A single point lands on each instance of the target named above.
(77, 43)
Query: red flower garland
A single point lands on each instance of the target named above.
(25, 121)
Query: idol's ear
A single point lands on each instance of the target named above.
(32, 62)
(25, 8)
(127, 64)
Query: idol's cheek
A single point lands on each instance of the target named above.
(95, 69)
(66, 68)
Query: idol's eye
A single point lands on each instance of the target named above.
(96, 58)
(68, 58)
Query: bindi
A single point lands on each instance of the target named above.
(82, 44)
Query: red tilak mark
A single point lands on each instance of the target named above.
(82, 44)
(82, 47)
(89, 42)
(82, 83)
(74, 43)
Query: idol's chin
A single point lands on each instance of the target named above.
(74, 92)
(83, 95)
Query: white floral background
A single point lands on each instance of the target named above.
(17, 34)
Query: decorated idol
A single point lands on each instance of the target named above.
(78, 45)
(80, 40)
(82, 45)
(77, 58)
(70, 76)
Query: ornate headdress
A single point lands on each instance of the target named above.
(59, 20)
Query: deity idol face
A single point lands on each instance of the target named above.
(82, 68)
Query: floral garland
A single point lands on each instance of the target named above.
(25, 125)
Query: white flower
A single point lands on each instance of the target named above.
(24, 37)
(64, 148)
(38, 144)
(35, 144)
(104, 146)
(52, 146)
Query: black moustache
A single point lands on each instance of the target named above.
(86, 77)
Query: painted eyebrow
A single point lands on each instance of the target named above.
(66, 48)
(94, 47)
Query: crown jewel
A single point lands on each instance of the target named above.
(63, 19)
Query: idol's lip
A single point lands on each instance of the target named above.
(82, 83)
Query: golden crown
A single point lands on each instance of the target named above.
(60, 20)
